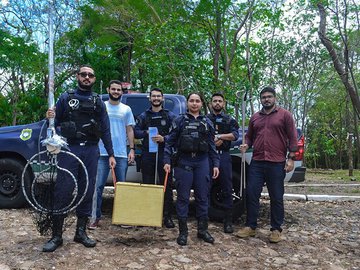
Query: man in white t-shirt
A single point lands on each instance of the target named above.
(121, 127)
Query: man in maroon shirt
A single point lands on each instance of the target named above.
(271, 134)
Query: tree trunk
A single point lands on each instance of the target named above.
(336, 60)
(350, 150)
(128, 64)
(248, 61)
(357, 141)
(217, 47)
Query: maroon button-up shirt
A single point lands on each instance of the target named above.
(271, 135)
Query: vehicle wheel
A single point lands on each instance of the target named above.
(11, 195)
(216, 209)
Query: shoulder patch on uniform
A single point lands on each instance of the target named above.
(26, 134)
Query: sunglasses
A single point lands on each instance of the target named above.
(84, 74)
(267, 97)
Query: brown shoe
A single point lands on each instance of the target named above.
(275, 236)
(245, 232)
(93, 225)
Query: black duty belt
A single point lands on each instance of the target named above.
(192, 154)
(222, 151)
(85, 143)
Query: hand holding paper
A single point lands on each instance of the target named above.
(153, 146)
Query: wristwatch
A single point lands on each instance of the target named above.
(218, 136)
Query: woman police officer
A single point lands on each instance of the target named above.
(192, 135)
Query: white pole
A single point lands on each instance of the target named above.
(243, 155)
(51, 101)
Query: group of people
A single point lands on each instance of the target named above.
(193, 148)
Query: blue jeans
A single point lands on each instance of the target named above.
(273, 174)
(102, 175)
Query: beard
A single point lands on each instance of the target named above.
(268, 107)
(85, 87)
(217, 110)
(114, 98)
(156, 104)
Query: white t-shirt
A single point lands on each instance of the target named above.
(120, 117)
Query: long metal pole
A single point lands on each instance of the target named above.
(51, 101)
(156, 166)
(243, 155)
(52, 139)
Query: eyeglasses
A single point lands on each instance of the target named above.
(217, 101)
(116, 89)
(85, 74)
(267, 97)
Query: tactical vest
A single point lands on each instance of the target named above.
(222, 126)
(82, 120)
(194, 136)
(162, 122)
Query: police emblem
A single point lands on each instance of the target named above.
(26, 134)
(163, 122)
(74, 103)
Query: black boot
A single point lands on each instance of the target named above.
(183, 232)
(80, 235)
(168, 207)
(228, 228)
(56, 239)
(202, 231)
(168, 222)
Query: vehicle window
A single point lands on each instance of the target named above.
(138, 104)
(169, 105)
(141, 104)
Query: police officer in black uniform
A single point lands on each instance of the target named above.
(82, 117)
(160, 118)
(226, 130)
(192, 135)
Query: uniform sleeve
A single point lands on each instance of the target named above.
(172, 116)
(234, 128)
(140, 130)
(171, 139)
(213, 155)
(105, 128)
(60, 109)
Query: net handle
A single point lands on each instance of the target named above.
(165, 181)
(113, 176)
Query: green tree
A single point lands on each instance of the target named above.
(21, 65)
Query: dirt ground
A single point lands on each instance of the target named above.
(317, 235)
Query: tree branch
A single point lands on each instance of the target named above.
(335, 59)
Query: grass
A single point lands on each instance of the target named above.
(332, 175)
(314, 190)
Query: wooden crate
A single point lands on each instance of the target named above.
(138, 204)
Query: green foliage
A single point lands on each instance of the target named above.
(22, 65)
(326, 129)
(16, 52)
(5, 111)
(174, 44)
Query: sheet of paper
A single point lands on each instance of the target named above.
(153, 146)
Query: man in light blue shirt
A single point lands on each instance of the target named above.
(121, 126)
